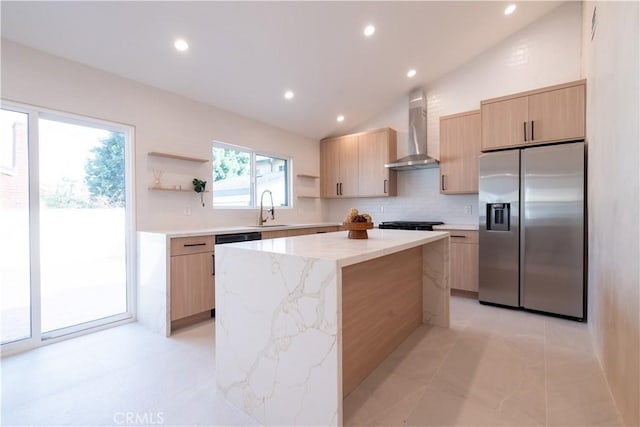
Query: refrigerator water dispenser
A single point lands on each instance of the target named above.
(498, 215)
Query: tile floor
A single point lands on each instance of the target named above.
(493, 367)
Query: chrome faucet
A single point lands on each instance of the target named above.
(272, 211)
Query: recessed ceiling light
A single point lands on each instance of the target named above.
(288, 94)
(411, 73)
(369, 30)
(340, 118)
(510, 9)
(181, 45)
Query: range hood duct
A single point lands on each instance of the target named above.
(418, 157)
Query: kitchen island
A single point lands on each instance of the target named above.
(301, 321)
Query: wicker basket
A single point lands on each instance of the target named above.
(358, 230)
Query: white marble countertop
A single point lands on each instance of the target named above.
(238, 229)
(337, 247)
(469, 227)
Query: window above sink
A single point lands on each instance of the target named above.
(240, 174)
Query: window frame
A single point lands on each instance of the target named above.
(253, 179)
(10, 169)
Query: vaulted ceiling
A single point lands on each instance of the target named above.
(243, 56)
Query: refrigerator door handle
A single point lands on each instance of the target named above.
(523, 226)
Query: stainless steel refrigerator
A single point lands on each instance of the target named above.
(532, 229)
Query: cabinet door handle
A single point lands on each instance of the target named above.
(386, 182)
(532, 137)
(442, 182)
(213, 264)
(341, 189)
(337, 188)
(525, 131)
(456, 235)
(188, 245)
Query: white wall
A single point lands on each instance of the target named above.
(612, 68)
(163, 122)
(545, 53)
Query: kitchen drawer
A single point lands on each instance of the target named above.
(191, 245)
(463, 236)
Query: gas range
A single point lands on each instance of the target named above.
(410, 225)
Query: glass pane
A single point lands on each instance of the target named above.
(272, 174)
(82, 224)
(15, 296)
(231, 177)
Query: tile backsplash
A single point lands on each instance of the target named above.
(418, 199)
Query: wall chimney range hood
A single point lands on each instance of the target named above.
(418, 157)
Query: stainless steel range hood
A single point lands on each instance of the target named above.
(418, 157)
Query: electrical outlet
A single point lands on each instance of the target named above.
(187, 209)
(468, 209)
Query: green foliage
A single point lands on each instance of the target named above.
(199, 185)
(105, 171)
(65, 196)
(228, 163)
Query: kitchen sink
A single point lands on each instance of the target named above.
(271, 225)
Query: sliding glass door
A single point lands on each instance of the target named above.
(78, 243)
(15, 278)
(82, 224)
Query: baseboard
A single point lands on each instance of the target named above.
(190, 320)
(463, 293)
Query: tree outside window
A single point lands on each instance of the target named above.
(241, 175)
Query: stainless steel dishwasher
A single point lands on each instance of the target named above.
(221, 239)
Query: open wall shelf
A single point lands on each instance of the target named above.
(177, 157)
(180, 190)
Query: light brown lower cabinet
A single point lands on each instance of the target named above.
(274, 234)
(192, 284)
(464, 260)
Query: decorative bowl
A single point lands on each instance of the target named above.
(358, 230)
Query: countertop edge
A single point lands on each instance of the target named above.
(238, 229)
(467, 227)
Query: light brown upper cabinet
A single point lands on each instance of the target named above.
(339, 167)
(552, 114)
(503, 123)
(353, 165)
(557, 115)
(460, 136)
(374, 150)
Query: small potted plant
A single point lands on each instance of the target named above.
(198, 187)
